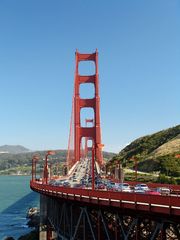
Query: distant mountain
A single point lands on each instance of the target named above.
(23, 160)
(14, 149)
(13, 163)
(155, 152)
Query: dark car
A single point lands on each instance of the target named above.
(100, 186)
(66, 184)
(110, 186)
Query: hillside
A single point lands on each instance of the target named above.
(24, 160)
(155, 152)
(21, 162)
(13, 149)
(169, 147)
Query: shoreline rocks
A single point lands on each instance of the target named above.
(34, 220)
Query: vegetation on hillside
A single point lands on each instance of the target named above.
(155, 152)
(13, 149)
(22, 160)
(21, 163)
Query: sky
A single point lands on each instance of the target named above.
(139, 68)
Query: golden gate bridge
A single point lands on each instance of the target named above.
(70, 212)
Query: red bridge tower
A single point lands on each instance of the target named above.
(93, 132)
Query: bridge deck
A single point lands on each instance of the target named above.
(169, 205)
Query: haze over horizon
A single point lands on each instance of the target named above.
(139, 58)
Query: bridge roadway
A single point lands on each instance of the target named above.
(103, 203)
(128, 200)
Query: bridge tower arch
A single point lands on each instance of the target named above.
(93, 132)
(86, 148)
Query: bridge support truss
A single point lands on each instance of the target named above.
(73, 221)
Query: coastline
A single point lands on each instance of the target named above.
(23, 174)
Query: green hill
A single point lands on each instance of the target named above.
(20, 163)
(13, 149)
(155, 152)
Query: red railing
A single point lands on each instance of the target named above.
(141, 202)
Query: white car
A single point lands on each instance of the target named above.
(139, 191)
(163, 190)
(123, 187)
(141, 186)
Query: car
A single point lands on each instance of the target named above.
(76, 185)
(52, 181)
(59, 183)
(100, 186)
(163, 190)
(110, 186)
(88, 185)
(66, 184)
(141, 191)
(141, 186)
(98, 181)
(83, 181)
(82, 186)
(123, 187)
(152, 192)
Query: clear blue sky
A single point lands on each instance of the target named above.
(139, 66)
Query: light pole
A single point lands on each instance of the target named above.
(46, 166)
(35, 158)
(57, 169)
(135, 167)
(135, 162)
(50, 170)
(93, 160)
(118, 171)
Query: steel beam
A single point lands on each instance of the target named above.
(72, 220)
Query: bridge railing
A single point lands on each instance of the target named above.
(145, 202)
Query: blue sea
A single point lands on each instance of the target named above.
(16, 198)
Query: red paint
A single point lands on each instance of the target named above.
(86, 148)
(149, 203)
(94, 132)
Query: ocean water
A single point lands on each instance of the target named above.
(16, 198)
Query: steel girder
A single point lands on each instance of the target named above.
(73, 221)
